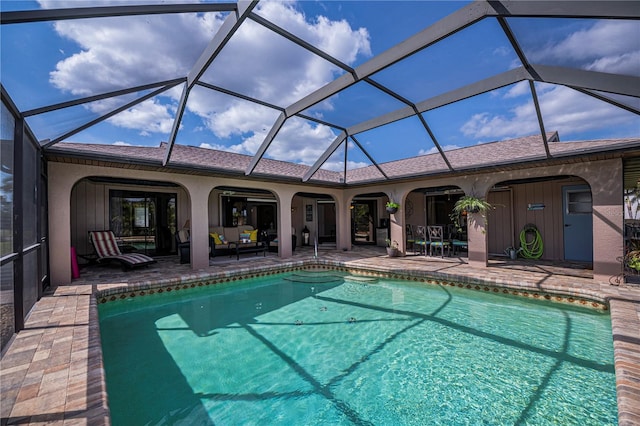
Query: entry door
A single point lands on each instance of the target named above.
(578, 223)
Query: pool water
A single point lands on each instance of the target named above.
(309, 348)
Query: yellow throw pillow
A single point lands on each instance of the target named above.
(216, 238)
(253, 236)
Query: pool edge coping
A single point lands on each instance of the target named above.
(577, 296)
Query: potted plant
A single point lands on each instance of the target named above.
(392, 207)
(632, 258)
(468, 204)
(471, 204)
(392, 248)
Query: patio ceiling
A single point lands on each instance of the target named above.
(357, 110)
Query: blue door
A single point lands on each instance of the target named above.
(578, 223)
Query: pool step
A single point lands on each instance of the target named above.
(361, 279)
(314, 278)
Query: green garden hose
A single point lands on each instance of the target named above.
(533, 249)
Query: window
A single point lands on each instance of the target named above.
(579, 202)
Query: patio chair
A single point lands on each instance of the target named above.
(410, 239)
(436, 240)
(183, 242)
(106, 247)
(420, 242)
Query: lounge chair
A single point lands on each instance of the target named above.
(106, 247)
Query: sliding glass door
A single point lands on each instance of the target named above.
(363, 222)
(143, 222)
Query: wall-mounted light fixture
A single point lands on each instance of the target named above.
(535, 206)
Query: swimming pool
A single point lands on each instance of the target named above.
(321, 348)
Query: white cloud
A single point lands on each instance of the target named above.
(502, 51)
(124, 52)
(626, 63)
(121, 143)
(147, 117)
(607, 46)
(301, 141)
(298, 141)
(569, 111)
(338, 166)
(434, 150)
(518, 89)
(563, 109)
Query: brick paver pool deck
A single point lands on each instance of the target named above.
(52, 372)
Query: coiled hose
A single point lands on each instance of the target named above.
(533, 249)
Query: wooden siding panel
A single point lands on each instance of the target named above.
(549, 221)
(417, 216)
(500, 226)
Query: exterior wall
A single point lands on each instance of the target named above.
(511, 215)
(500, 231)
(90, 209)
(604, 177)
(197, 192)
(89, 212)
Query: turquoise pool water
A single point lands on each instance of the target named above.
(330, 351)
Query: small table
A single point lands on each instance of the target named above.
(251, 247)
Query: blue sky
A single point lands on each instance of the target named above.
(46, 63)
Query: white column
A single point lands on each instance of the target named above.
(199, 199)
(59, 212)
(285, 249)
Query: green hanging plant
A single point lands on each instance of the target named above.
(471, 204)
(468, 204)
(392, 207)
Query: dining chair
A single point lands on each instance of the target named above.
(436, 240)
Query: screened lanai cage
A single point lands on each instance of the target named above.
(329, 94)
(354, 90)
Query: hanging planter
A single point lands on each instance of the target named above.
(469, 204)
(392, 207)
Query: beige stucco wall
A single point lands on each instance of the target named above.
(197, 189)
(604, 178)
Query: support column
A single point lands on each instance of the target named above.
(59, 212)
(285, 249)
(343, 224)
(199, 198)
(477, 240)
(477, 236)
(608, 219)
(397, 223)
